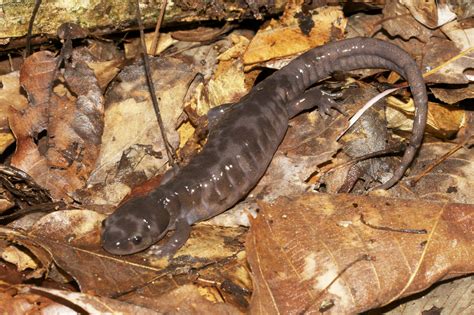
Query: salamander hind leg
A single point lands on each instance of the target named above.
(175, 242)
(315, 97)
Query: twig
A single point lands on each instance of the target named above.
(387, 151)
(440, 160)
(151, 87)
(30, 27)
(156, 35)
(386, 228)
(42, 207)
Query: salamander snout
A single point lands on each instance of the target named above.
(133, 227)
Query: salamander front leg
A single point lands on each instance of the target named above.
(176, 241)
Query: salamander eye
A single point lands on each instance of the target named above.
(136, 239)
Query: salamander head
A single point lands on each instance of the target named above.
(134, 226)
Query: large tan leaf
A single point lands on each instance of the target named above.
(345, 254)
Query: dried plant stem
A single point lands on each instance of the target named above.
(151, 87)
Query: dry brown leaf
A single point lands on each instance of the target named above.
(36, 77)
(361, 24)
(450, 181)
(448, 297)
(188, 299)
(105, 71)
(19, 258)
(460, 32)
(9, 273)
(133, 48)
(19, 300)
(443, 121)
(315, 253)
(23, 299)
(398, 21)
(452, 67)
(71, 239)
(284, 38)
(228, 82)
(183, 300)
(454, 95)
(35, 252)
(446, 63)
(430, 12)
(10, 96)
(61, 162)
(5, 202)
(104, 58)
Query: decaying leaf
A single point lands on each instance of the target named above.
(14, 256)
(17, 300)
(430, 12)
(186, 299)
(35, 252)
(450, 181)
(460, 32)
(10, 96)
(132, 49)
(345, 254)
(285, 37)
(308, 252)
(27, 298)
(104, 58)
(189, 300)
(443, 121)
(454, 70)
(362, 24)
(228, 82)
(62, 161)
(448, 297)
(71, 239)
(450, 66)
(396, 14)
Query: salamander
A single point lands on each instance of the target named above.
(242, 141)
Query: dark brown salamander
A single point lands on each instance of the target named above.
(242, 142)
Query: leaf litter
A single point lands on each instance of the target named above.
(98, 171)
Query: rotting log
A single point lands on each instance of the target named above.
(104, 17)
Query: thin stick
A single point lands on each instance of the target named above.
(386, 228)
(151, 87)
(42, 207)
(438, 162)
(30, 27)
(156, 35)
(391, 150)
